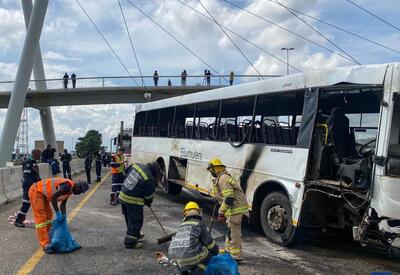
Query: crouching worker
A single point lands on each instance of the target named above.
(192, 247)
(54, 190)
(137, 191)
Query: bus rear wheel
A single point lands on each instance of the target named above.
(276, 219)
(169, 187)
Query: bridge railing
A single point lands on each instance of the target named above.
(127, 81)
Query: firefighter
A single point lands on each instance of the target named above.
(88, 166)
(233, 207)
(118, 174)
(192, 246)
(54, 191)
(66, 159)
(30, 171)
(98, 167)
(137, 191)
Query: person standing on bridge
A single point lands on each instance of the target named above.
(155, 78)
(137, 191)
(208, 76)
(98, 166)
(118, 174)
(66, 159)
(183, 78)
(73, 78)
(169, 82)
(231, 77)
(65, 80)
(30, 172)
(88, 166)
(232, 199)
(52, 190)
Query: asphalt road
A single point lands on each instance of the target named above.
(100, 229)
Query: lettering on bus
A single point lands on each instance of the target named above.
(191, 154)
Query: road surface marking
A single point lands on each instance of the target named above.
(37, 256)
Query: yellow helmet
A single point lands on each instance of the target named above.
(215, 163)
(190, 206)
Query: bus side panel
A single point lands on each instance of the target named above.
(252, 164)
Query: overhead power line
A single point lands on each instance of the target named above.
(292, 32)
(227, 35)
(240, 36)
(339, 28)
(176, 39)
(374, 15)
(131, 42)
(105, 40)
(318, 32)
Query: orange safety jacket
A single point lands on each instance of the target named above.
(117, 164)
(49, 186)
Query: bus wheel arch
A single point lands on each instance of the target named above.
(169, 187)
(272, 210)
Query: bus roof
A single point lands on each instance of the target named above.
(364, 74)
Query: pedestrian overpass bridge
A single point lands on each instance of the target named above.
(115, 90)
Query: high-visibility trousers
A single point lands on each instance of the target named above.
(42, 214)
(233, 242)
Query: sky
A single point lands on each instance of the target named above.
(69, 43)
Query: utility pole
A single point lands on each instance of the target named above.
(287, 58)
(24, 71)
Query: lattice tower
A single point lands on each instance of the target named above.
(21, 144)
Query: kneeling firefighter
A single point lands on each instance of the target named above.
(192, 246)
(234, 206)
(52, 190)
(137, 191)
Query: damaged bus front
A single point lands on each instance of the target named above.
(354, 168)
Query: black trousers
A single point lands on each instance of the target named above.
(98, 170)
(26, 204)
(134, 222)
(87, 170)
(116, 182)
(73, 83)
(66, 170)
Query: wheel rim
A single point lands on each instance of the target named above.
(277, 218)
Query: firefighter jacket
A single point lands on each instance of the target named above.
(230, 195)
(139, 186)
(88, 162)
(30, 171)
(192, 245)
(117, 164)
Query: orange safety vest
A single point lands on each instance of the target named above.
(118, 159)
(49, 186)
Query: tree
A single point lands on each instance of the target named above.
(90, 143)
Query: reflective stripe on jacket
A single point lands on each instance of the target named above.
(139, 185)
(49, 186)
(227, 187)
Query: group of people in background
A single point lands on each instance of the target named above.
(184, 75)
(66, 78)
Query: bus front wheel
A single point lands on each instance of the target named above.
(172, 188)
(276, 219)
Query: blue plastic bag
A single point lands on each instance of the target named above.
(61, 239)
(222, 264)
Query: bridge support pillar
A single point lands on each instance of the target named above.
(46, 119)
(24, 71)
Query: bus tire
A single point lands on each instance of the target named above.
(172, 188)
(276, 218)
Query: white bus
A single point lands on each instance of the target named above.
(314, 149)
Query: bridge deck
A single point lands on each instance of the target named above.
(100, 95)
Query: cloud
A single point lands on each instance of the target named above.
(59, 57)
(12, 28)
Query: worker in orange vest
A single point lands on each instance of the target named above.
(118, 174)
(54, 190)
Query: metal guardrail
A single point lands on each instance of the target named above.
(128, 81)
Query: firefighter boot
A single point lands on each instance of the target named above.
(113, 199)
(19, 222)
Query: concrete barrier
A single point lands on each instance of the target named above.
(3, 199)
(12, 182)
(10, 179)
